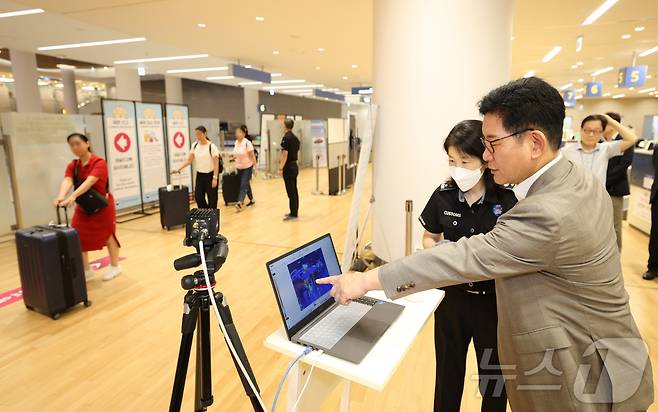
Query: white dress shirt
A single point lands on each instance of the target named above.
(521, 190)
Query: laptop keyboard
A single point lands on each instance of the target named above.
(328, 331)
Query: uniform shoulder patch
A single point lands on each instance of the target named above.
(447, 185)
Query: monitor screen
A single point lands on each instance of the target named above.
(294, 277)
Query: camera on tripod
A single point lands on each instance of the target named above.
(202, 227)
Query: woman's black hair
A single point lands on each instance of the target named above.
(202, 129)
(80, 136)
(466, 137)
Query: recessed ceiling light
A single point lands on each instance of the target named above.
(276, 74)
(288, 81)
(651, 89)
(625, 36)
(260, 18)
(299, 86)
(247, 66)
(579, 63)
(580, 80)
(320, 49)
(606, 94)
(354, 66)
(317, 67)
(6, 80)
(549, 56)
(249, 83)
(513, 38)
(202, 25)
(578, 97)
(604, 70)
(275, 52)
(639, 28)
(21, 13)
(220, 77)
(345, 77)
(566, 86)
(200, 69)
(631, 88)
(599, 12)
(162, 59)
(105, 67)
(618, 96)
(648, 76)
(92, 44)
(530, 73)
(649, 51)
(574, 66)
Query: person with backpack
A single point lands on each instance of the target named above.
(208, 167)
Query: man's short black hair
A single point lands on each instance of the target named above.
(594, 118)
(289, 123)
(615, 116)
(528, 103)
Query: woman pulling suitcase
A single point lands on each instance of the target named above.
(95, 215)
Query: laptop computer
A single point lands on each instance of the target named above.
(310, 315)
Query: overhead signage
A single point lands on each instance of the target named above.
(121, 151)
(633, 76)
(152, 160)
(594, 89)
(569, 98)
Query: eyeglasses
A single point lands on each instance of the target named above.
(592, 131)
(488, 144)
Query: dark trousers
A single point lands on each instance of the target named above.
(653, 238)
(245, 184)
(290, 172)
(460, 317)
(204, 188)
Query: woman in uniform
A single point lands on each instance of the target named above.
(469, 203)
(97, 229)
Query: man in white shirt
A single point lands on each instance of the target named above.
(590, 152)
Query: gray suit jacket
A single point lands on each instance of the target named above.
(567, 339)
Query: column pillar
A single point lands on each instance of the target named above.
(426, 80)
(251, 114)
(128, 84)
(70, 92)
(24, 69)
(174, 90)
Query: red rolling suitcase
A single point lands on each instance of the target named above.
(50, 266)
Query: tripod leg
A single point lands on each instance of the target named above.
(225, 314)
(189, 322)
(203, 387)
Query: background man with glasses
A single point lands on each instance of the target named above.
(566, 337)
(590, 152)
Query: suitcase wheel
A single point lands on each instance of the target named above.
(56, 316)
(87, 303)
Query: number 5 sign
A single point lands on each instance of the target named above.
(633, 76)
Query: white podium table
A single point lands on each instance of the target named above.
(374, 371)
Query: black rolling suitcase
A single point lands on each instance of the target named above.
(174, 205)
(50, 266)
(230, 187)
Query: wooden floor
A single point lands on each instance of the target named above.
(120, 354)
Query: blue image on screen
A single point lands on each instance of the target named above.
(304, 273)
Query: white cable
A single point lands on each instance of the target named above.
(223, 327)
(308, 379)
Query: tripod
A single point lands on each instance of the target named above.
(196, 315)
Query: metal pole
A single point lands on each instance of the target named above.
(340, 179)
(317, 176)
(267, 163)
(343, 168)
(408, 208)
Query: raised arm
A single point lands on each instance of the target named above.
(629, 138)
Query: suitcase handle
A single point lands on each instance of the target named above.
(66, 215)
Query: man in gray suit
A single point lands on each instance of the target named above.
(567, 339)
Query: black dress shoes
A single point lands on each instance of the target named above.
(650, 275)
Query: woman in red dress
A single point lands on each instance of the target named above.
(98, 229)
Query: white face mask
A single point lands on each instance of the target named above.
(465, 178)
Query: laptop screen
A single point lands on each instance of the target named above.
(293, 277)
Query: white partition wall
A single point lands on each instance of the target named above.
(7, 212)
(178, 140)
(39, 154)
(425, 80)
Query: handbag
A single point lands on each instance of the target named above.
(90, 201)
